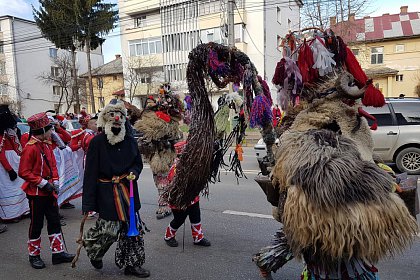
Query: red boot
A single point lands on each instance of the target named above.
(170, 237)
(198, 236)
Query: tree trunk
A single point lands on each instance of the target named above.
(74, 88)
(92, 96)
(60, 100)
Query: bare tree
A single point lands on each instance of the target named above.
(317, 13)
(141, 70)
(61, 76)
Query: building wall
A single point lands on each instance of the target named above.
(406, 61)
(185, 24)
(279, 20)
(111, 84)
(28, 59)
(8, 78)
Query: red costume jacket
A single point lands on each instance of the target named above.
(8, 145)
(81, 138)
(34, 167)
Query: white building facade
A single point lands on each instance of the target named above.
(25, 56)
(177, 26)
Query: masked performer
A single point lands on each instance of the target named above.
(337, 206)
(38, 169)
(111, 157)
(13, 202)
(159, 126)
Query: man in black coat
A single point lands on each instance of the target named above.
(112, 160)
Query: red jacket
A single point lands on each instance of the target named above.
(76, 139)
(64, 135)
(33, 166)
(81, 138)
(8, 145)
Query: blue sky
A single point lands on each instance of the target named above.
(112, 45)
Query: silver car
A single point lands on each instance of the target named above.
(397, 139)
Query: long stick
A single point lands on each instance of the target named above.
(79, 241)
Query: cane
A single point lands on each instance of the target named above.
(79, 241)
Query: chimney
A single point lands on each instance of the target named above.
(351, 16)
(403, 9)
(333, 21)
(117, 56)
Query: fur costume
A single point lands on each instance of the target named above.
(159, 125)
(340, 214)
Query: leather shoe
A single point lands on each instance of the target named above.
(171, 242)
(67, 205)
(36, 262)
(203, 242)
(62, 257)
(136, 271)
(98, 264)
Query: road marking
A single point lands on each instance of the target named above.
(256, 215)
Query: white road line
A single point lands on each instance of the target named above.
(256, 215)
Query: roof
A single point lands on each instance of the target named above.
(376, 72)
(111, 68)
(120, 92)
(385, 27)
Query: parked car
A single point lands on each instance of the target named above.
(23, 127)
(72, 125)
(397, 139)
(260, 149)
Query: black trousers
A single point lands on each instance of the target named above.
(180, 215)
(39, 207)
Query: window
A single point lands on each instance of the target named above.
(53, 52)
(399, 48)
(3, 89)
(407, 113)
(399, 78)
(100, 83)
(278, 15)
(56, 90)
(377, 55)
(239, 33)
(382, 115)
(210, 36)
(140, 21)
(1, 47)
(2, 68)
(57, 108)
(145, 46)
(355, 51)
(101, 102)
(114, 78)
(55, 71)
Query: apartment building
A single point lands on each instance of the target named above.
(107, 79)
(168, 30)
(25, 56)
(388, 48)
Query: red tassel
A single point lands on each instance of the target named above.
(374, 126)
(365, 114)
(305, 63)
(373, 97)
(280, 73)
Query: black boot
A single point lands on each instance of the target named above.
(62, 257)
(36, 262)
(98, 264)
(203, 242)
(136, 271)
(172, 242)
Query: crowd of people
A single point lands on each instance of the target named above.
(43, 170)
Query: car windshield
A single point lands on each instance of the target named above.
(23, 127)
(75, 125)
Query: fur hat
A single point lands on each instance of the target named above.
(7, 119)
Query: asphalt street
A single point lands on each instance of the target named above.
(236, 219)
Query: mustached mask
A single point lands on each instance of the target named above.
(112, 118)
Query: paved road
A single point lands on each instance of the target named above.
(234, 239)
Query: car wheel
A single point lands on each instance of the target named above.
(408, 160)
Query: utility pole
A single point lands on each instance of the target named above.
(231, 22)
(231, 29)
